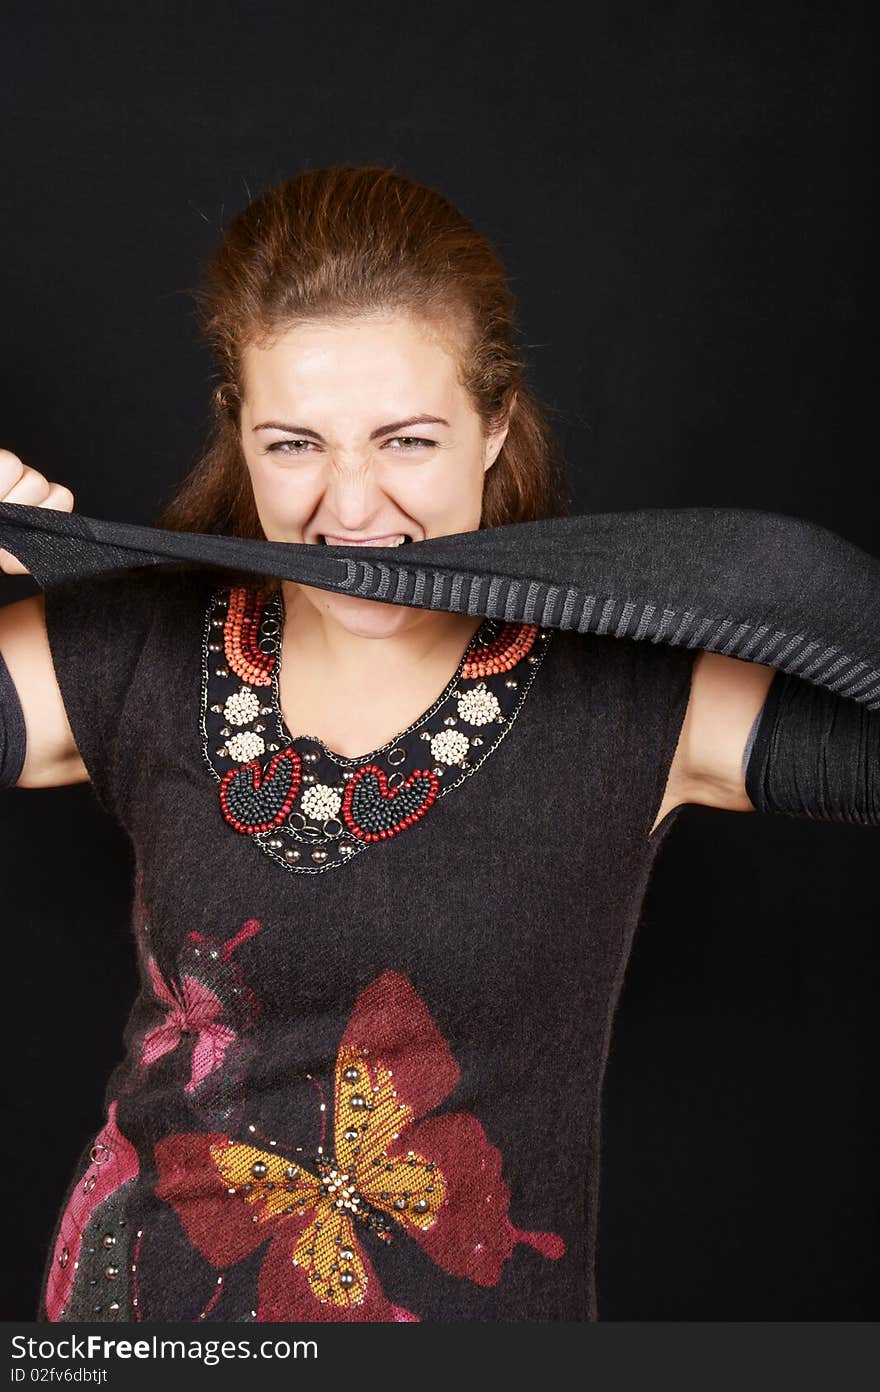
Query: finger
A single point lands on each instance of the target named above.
(31, 488)
(9, 565)
(59, 498)
(11, 470)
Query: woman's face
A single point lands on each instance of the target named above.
(336, 455)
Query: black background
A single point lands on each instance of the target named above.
(681, 195)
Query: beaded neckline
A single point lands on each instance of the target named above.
(275, 618)
(309, 807)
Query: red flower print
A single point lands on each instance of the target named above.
(391, 1170)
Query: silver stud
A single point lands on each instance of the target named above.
(111, 1271)
(259, 1168)
(511, 684)
(114, 1306)
(477, 739)
(221, 671)
(276, 843)
(64, 1256)
(225, 730)
(439, 771)
(217, 709)
(451, 720)
(292, 854)
(319, 857)
(425, 735)
(215, 647)
(109, 1239)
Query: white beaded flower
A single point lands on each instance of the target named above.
(478, 706)
(241, 707)
(321, 801)
(450, 747)
(245, 746)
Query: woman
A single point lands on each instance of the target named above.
(363, 1072)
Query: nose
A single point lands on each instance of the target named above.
(352, 499)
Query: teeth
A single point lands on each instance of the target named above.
(393, 541)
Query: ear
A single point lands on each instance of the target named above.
(495, 441)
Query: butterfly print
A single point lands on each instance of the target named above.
(392, 1172)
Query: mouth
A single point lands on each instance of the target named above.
(392, 539)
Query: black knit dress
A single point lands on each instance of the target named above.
(362, 1075)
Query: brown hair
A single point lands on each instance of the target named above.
(344, 241)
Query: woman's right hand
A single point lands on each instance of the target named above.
(21, 484)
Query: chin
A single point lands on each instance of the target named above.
(366, 618)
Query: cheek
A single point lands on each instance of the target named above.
(283, 497)
(447, 488)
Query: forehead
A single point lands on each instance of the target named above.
(367, 360)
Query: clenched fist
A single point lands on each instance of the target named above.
(20, 484)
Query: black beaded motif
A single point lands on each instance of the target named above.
(341, 805)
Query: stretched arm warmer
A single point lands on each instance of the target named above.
(756, 585)
(764, 587)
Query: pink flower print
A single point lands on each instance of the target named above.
(195, 1012)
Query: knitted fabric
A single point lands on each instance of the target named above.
(761, 586)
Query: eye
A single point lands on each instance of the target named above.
(407, 442)
(279, 446)
(410, 440)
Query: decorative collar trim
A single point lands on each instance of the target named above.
(308, 807)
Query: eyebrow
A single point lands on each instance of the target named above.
(382, 429)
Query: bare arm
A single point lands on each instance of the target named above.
(726, 695)
(51, 757)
